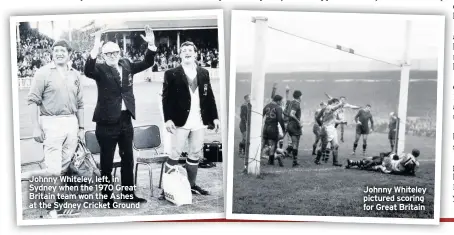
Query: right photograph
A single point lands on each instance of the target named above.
(335, 117)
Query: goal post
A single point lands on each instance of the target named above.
(403, 94)
(257, 94)
(258, 87)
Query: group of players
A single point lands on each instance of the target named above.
(283, 118)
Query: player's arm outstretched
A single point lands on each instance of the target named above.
(328, 96)
(350, 106)
(273, 92)
(336, 107)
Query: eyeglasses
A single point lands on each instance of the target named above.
(112, 54)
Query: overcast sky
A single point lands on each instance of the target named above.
(377, 35)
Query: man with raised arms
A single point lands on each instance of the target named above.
(328, 134)
(341, 113)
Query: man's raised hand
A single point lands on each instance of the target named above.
(97, 45)
(149, 36)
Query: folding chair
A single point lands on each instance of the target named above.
(148, 138)
(92, 145)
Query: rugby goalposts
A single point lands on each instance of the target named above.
(258, 87)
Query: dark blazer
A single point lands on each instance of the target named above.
(176, 97)
(110, 91)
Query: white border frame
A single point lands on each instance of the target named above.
(438, 146)
(155, 15)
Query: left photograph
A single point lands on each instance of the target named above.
(118, 116)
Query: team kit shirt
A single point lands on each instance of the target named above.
(293, 126)
(329, 117)
(273, 116)
(392, 128)
(245, 116)
(364, 117)
(328, 120)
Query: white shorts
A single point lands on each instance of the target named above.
(328, 133)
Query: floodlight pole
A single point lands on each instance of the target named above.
(403, 95)
(257, 94)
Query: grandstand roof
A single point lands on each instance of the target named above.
(162, 25)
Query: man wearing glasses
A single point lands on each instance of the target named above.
(115, 108)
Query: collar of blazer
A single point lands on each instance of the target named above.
(182, 74)
(125, 70)
(125, 65)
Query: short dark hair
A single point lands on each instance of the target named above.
(277, 98)
(368, 105)
(297, 94)
(415, 152)
(333, 100)
(62, 43)
(342, 97)
(246, 96)
(188, 43)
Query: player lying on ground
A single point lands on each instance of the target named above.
(389, 163)
(362, 119)
(341, 114)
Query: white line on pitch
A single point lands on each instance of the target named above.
(306, 170)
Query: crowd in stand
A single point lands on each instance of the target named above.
(420, 127)
(78, 60)
(34, 52)
(167, 57)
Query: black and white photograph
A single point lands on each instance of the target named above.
(335, 117)
(119, 116)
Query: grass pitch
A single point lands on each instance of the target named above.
(325, 190)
